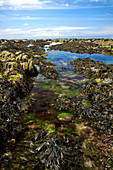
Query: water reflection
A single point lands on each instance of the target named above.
(63, 58)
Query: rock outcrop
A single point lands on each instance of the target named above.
(18, 67)
(99, 46)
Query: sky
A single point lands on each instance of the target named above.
(33, 19)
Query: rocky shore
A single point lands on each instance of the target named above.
(55, 124)
(19, 60)
(99, 46)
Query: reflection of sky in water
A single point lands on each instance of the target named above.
(61, 57)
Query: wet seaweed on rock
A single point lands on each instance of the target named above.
(50, 151)
(98, 91)
(17, 70)
(90, 46)
(79, 137)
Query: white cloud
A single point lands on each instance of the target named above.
(28, 18)
(95, 0)
(62, 28)
(49, 4)
(98, 33)
(77, 1)
(48, 34)
(1, 3)
(70, 28)
(11, 33)
(66, 4)
(23, 4)
(26, 24)
(31, 33)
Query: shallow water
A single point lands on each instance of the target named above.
(66, 76)
(64, 57)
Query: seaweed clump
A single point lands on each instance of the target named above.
(45, 150)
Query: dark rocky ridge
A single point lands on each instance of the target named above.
(99, 46)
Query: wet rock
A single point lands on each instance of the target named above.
(49, 151)
(85, 46)
(17, 70)
(98, 91)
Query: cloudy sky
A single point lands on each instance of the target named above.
(34, 19)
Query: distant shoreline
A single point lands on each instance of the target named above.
(52, 38)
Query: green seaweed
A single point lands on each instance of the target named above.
(46, 87)
(15, 78)
(48, 60)
(43, 55)
(74, 93)
(29, 116)
(69, 130)
(51, 129)
(42, 122)
(12, 59)
(85, 104)
(58, 90)
(64, 114)
(5, 74)
(97, 80)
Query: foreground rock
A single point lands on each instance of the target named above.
(18, 67)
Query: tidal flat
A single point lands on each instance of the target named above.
(56, 104)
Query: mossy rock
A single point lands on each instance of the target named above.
(65, 116)
(43, 55)
(15, 78)
(30, 66)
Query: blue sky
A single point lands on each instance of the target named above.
(34, 19)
